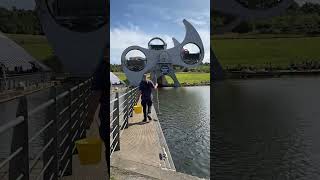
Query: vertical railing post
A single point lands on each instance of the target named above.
(52, 150)
(117, 122)
(83, 117)
(88, 95)
(72, 119)
(69, 143)
(77, 116)
(131, 104)
(20, 163)
(127, 110)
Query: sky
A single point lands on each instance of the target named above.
(20, 4)
(135, 22)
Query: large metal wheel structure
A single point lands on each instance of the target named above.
(77, 31)
(159, 61)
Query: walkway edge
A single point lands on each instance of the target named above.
(169, 165)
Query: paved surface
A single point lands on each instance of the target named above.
(140, 146)
(90, 172)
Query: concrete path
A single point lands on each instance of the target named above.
(139, 156)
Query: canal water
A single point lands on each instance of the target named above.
(266, 129)
(185, 121)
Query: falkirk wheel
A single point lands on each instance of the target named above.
(159, 61)
(241, 12)
(77, 31)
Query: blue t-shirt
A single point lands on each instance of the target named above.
(146, 89)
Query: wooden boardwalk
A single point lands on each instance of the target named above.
(90, 172)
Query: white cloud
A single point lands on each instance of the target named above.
(121, 38)
(205, 36)
(198, 22)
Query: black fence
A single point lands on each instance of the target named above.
(65, 115)
(122, 109)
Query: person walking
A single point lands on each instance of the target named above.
(146, 86)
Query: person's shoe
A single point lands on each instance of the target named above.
(144, 120)
(149, 117)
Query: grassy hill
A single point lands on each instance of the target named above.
(257, 52)
(36, 45)
(191, 78)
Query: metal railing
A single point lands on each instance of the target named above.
(66, 115)
(14, 81)
(119, 115)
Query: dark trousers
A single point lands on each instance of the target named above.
(146, 103)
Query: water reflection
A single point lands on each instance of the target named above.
(185, 120)
(266, 129)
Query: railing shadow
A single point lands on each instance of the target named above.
(139, 123)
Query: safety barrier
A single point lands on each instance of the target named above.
(122, 109)
(14, 81)
(66, 122)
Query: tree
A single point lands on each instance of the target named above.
(243, 27)
(19, 21)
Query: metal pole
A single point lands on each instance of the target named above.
(77, 116)
(117, 122)
(53, 169)
(127, 104)
(83, 117)
(131, 103)
(69, 139)
(20, 163)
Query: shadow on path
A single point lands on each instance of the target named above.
(139, 123)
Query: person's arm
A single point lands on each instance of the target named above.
(153, 86)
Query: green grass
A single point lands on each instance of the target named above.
(253, 35)
(256, 52)
(183, 77)
(120, 75)
(35, 45)
(191, 78)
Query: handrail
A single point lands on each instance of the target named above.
(11, 124)
(121, 110)
(59, 134)
(134, 89)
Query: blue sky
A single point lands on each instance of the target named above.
(135, 22)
